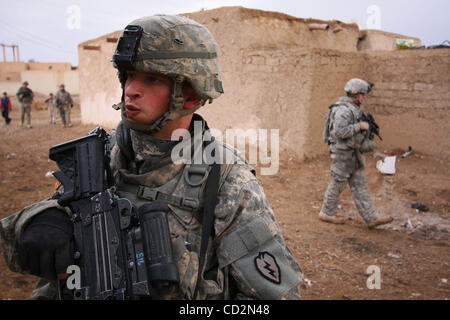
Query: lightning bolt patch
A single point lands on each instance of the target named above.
(268, 267)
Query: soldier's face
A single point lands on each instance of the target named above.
(147, 96)
(362, 97)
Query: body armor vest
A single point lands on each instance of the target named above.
(182, 187)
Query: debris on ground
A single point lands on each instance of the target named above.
(387, 166)
(420, 207)
(407, 153)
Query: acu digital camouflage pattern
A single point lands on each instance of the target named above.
(63, 98)
(25, 98)
(355, 86)
(169, 45)
(25, 95)
(64, 103)
(346, 148)
(25, 111)
(246, 239)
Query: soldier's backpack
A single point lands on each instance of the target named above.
(328, 125)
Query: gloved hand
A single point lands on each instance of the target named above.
(364, 125)
(367, 146)
(46, 245)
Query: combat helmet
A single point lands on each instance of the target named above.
(357, 86)
(174, 46)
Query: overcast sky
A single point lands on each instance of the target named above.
(50, 30)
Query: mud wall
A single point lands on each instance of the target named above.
(411, 99)
(267, 66)
(278, 73)
(99, 85)
(42, 77)
(48, 81)
(238, 28)
(271, 91)
(378, 40)
(332, 70)
(10, 71)
(10, 87)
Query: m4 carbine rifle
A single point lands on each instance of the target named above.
(374, 129)
(122, 253)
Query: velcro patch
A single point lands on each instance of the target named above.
(267, 265)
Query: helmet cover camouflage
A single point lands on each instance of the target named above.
(178, 46)
(356, 86)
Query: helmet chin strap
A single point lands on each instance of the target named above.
(175, 111)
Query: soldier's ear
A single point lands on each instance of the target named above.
(190, 98)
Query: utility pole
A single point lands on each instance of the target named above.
(14, 47)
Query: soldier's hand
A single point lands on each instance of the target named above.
(46, 245)
(364, 125)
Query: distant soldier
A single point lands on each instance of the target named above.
(51, 108)
(25, 96)
(344, 134)
(6, 107)
(64, 103)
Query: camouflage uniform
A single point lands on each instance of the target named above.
(64, 103)
(247, 257)
(245, 229)
(25, 97)
(347, 144)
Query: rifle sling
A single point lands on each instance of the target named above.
(211, 190)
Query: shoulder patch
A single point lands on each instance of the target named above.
(267, 266)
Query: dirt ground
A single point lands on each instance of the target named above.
(412, 252)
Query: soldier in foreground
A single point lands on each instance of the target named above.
(25, 97)
(64, 104)
(172, 72)
(344, 134)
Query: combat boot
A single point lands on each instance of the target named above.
(331, 219)
(380, 220)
